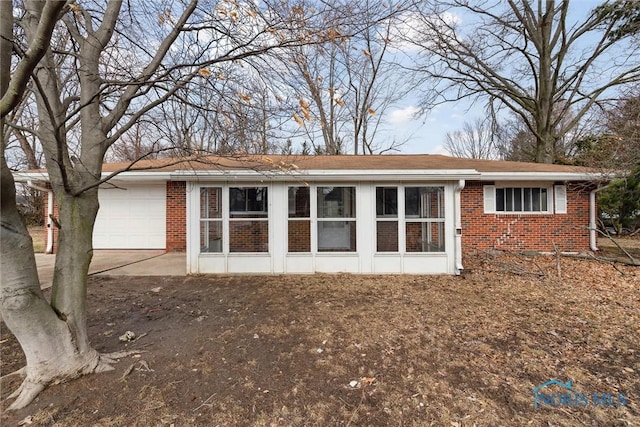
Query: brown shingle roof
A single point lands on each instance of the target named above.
(342, 162)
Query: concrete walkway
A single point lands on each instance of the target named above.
(121, 263)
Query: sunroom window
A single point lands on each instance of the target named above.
(299, 224)
(248, 219)
(211, 219)
(336, 219)
(424, 219)
(387, 219)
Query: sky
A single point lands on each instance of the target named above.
(427, 133)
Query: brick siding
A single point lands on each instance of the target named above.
(520, 232)
(299, 236)
(176, 216)
(387, 236)
(249, 236)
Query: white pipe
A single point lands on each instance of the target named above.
(593, 242)
(49, 249)
(458, 225)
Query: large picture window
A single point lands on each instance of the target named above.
(424, 219)
(336, 219)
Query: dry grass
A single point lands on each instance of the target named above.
(425, 350)
(39, 237)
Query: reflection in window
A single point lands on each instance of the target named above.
(336, 219)
(424, 215)
(211, 219)
(248, 219)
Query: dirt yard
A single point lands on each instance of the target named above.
(330, 350)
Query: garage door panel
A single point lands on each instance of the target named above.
(134, 218)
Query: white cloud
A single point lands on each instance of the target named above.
(403, 115)
(409, 29)
(440, 150)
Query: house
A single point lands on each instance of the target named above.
(358, 214)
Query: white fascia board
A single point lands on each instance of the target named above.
(30, 176)
(139, 176)
(123, 176)
(328, 175)
(540, 176)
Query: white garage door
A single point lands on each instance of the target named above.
(131, 217)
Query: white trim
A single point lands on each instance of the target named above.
(489, 198)
(560, 199)
(593, 241)
(457, 225)
(330, 175)
(342, 175)
(539, 176)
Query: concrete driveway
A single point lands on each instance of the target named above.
(121, 263)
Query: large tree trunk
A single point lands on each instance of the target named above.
(53, 351)
(75, 251)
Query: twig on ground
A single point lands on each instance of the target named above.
(558, 269)
(205, 403)
(608, 236)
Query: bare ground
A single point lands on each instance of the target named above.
(329, 350)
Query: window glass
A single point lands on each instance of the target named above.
(425, 236)
(299, 206)
(521, 199)
(248, 199)
(424, 202)
(211, 202)
(336, 202)
(387, 202)
(211, 219)
(387, 236)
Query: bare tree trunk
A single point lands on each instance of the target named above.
(46, 339)
(75, 251)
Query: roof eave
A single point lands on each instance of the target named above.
(328, 175)
(541, 176)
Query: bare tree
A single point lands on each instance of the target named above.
(474, 141)
(90, 91)
(529, 58)
(344, 86)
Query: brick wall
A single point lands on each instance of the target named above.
(248, 236)
(299, 236)
(387, 236)
(521, 232)
(176, 216)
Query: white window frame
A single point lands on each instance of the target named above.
(265, 203)
(351, 219)
(226, 219)
(417, 219)
(206, 222)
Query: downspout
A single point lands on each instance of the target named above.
(457, 190)
(592, 221)
(30, 184)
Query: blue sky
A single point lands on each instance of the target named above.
(426, 134)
